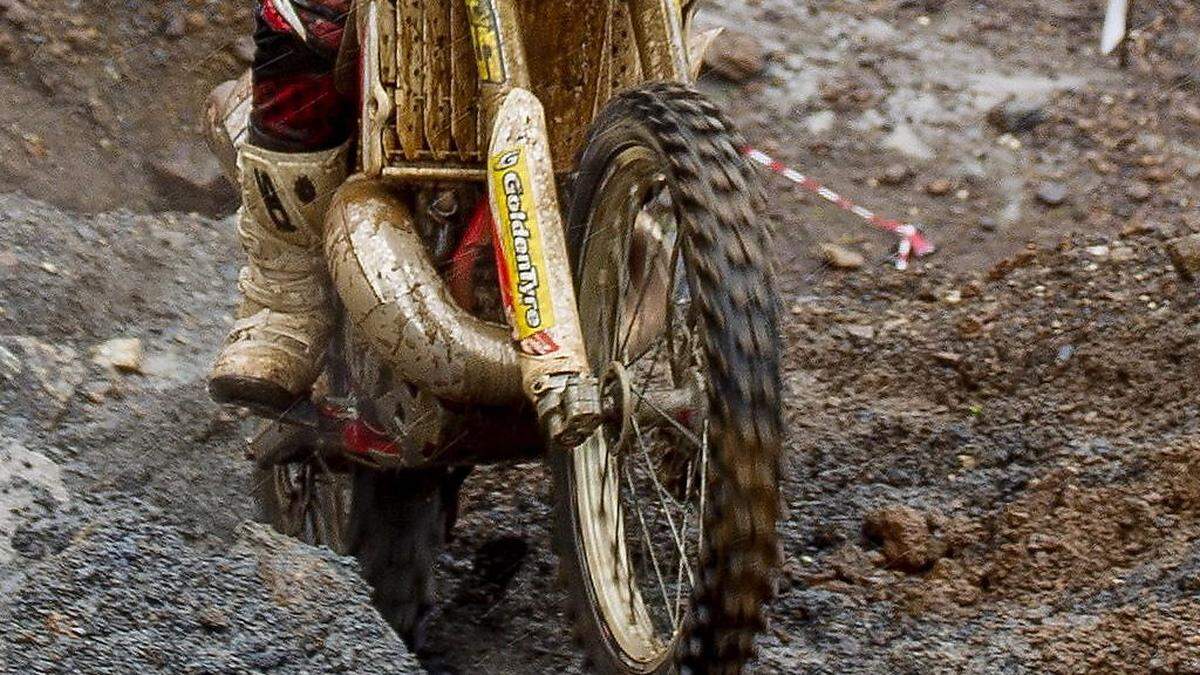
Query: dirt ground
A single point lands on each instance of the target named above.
(993, 459)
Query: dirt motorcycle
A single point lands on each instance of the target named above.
(627, 338)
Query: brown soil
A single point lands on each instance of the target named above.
(993, 459)
(99, 94)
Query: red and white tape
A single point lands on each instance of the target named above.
(912, 240)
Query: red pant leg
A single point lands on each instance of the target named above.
(297, 107)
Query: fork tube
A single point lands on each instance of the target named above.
(531, 249)
(499, 53)
(658, 28)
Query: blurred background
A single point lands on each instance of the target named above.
(992, 460)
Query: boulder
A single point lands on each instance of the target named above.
(131, 593)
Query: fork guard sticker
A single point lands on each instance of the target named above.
(524, 282)
(485, 29)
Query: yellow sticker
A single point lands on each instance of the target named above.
(523, 276)
(485, 33)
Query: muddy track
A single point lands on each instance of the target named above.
(991, 461)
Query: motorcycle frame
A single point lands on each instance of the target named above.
(468, 428)
(474, 424)
(659, 36)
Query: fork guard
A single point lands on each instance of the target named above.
(399, 304)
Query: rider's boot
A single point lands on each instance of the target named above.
(276, 348)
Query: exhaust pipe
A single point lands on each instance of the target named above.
(404, 311)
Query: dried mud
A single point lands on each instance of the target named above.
(993, 459)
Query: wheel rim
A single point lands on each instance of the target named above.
(640, 482)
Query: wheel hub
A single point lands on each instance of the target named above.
(617, 405)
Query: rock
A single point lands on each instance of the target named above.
(244, 49)
(1122, 254)
(1185, 255)
(174, 24)
(841, 257)
(9, 52)
(908, 544)
(905, 140)
(18, 13)
(1136, 227)
(1041, 541)
(1098, 251)
(130, 593)
(31, 486)
(948, 358)
(861, 331)
(190, 178)
(1189, 112)
(212, 618)
(1158, 174)
(820, 122)
(99, 391)
(121, 354)
(896, 174)
(736, 57)
(1139, 192)
(81, 39)
(1052, 193)
(190, 165)
(939, 188)
(1009, 141)
(28, 362)
(1015, 116)
(196, 20)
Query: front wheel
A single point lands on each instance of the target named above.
(667, 515)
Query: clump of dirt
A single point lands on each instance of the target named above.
(908, 542)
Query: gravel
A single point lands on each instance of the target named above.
(120, 588)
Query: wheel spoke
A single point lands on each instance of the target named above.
(299, 497)
(329, 507)
(703, 486)
(310, 515)
(623, 243)
(687, 433)
(687, 491)
(655, 349)
(610, 315)
(646, 540)
(661, 492)
(627, 326)
(609, 458)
